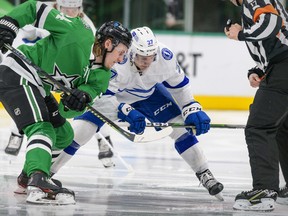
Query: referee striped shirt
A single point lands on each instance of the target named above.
(265, 32)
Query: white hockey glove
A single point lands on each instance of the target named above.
(193, 115)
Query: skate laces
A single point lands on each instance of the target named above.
(251, 191)
(259, 193)
(50, 181)
(207, 180)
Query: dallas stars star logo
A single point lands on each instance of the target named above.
(63, 78)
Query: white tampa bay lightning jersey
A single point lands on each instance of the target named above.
(128, 84)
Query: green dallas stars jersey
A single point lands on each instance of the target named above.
(64, 54)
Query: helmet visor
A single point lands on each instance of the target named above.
(143, 62)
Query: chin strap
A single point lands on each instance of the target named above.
(104, 57)
(105, 51)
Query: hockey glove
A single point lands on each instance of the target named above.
(77, 100)
(257, 71)
(8, 31)
(133, 117)
(193, 115)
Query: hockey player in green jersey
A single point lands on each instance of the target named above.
(26, 96)
(30, 35)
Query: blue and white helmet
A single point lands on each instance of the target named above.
(144, 42)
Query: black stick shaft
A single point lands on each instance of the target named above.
(181, 125)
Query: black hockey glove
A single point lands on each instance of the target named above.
(257, 71)
(77, 100)
(8, 31)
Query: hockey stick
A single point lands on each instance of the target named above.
(182, 125)
(132, 137)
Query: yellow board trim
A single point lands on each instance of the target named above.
(224, 102)
(213, 102)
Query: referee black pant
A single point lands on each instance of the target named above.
(267, 129)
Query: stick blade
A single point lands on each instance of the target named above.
(150, 135)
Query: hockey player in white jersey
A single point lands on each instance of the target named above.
(30, 35)
(149, 64)
(141, 88)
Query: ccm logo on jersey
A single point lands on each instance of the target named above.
(128, 109)
(55, 113)
(165, 106)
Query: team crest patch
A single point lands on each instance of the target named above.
(113, 74)
(167, 54)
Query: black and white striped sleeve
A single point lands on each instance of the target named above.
(268, 25)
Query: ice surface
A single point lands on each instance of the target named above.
(161, 183)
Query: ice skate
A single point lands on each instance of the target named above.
(283, 196)
(256, 200)
(214, 187)
(105, 154)
(41, 190)
(14, 144)
(22, 181)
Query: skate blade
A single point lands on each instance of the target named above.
(107, 162)
(37, 196)
(20, 190)
(219, 196)
(266, 205)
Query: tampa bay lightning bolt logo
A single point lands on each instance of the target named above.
(124, 60)
(167, 54)
(113, 74)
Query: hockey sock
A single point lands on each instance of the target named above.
(64, 157)
(188, 148)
